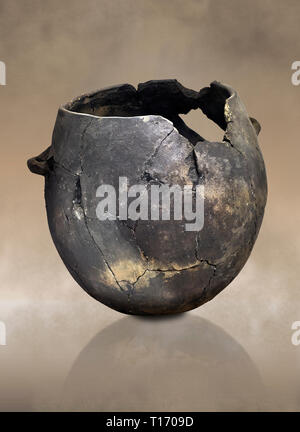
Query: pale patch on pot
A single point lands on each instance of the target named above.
(227, 112)
(107, 278)
(216, 193)
(144, 280)
(243, 197)
(176, 268)
(78, 212)
(183, 174)
(128, 270)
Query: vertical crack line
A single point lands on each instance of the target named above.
(199, 174)
(82, 144)
(133, 230)
(208, 285)
(78, 193)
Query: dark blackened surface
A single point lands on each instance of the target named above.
(153, 267)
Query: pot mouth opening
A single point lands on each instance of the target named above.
(165, 98)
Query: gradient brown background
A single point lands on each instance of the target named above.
(57, 50)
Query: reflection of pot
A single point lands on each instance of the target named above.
(167, 364)
(153, 266)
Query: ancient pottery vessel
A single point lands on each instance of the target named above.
(147, 265)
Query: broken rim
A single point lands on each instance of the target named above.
(163, 98)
